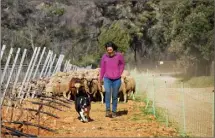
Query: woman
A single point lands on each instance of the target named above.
(112, 65)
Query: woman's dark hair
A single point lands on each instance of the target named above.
(111, 44)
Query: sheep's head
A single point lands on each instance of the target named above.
(75, 83)
(84, 83)
(79, 84)
(125, 79)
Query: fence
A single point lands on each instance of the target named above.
(175, 102)
(25, 111)
(39, 66)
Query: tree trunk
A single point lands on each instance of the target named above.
(135, 55)
(212, 69)
(196, 68)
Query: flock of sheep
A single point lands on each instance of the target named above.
(60, 84)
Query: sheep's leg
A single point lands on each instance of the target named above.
(129, 95)
(69, 95)
(64, 94)
(119, 96)
(94, 95)
(125, 97)
(102, 97)
(133, 96)
(133, 93)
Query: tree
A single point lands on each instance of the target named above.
(116, 33)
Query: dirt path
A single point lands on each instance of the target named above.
(131, 122)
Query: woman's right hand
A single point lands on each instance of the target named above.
(100, 82)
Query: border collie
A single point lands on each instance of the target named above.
(83, 104)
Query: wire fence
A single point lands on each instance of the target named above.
(19, 109)
(22, 72)
(174, 102)
(43, 63)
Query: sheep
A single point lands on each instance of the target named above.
(58, 86)
(130, 86)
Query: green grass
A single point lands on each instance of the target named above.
(138, 99)
(160, 114)
(204, 81)
(137, 117)
(149, 110)
(198, 82)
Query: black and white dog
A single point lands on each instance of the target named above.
(83, 104)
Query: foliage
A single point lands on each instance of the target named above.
(117, 34)
(147, 30)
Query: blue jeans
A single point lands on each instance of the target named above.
(113, 85)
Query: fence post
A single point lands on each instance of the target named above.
(44, 65)
(153, 105)
(50, 68)
(167, 117)
(213, 114)
(23, 82)
(183, 109)
(138, 85)
(19, 70)
(71, 67)
(59, 65)
(11, 72)
(147, 82)
(39, 62)
(7, 63)
(65, 66)
(34, 61)
(2, 50)
(31, 70)
(54, 71)
(147, 95)
(68, 65)
(48, 64)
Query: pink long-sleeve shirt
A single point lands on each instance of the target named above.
(112, 67)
